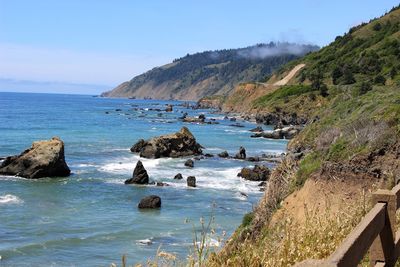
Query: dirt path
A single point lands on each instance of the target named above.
(290, 75)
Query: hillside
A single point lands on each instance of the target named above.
(348, 95)
(210, 73)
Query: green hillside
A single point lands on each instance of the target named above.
(212, 72)
(349, 92)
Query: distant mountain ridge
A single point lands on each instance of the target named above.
(211, 72)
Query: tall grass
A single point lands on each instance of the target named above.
(289, 241)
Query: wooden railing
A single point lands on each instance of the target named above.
(376, 233)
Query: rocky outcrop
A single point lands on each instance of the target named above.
(280, 117)
(43, 159)
(139, 175)
(150, 202)
(258, 173)
(214, 102)
(280, 133)
(191, 181)
(179, 144)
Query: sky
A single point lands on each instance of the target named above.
(105, 42)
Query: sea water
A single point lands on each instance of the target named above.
(91, 218)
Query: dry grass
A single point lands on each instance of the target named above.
(288, 241)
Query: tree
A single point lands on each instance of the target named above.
(316, 79)
(348, 77)
(336, 74)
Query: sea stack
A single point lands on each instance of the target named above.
(44, 159)
(180, 144)
(139, 175)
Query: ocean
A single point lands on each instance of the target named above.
(91, 218)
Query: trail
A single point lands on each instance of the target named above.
(290, 75)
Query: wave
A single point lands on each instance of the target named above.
(165, 169)
(10, 199)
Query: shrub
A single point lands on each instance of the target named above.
(379, 79)
(247, 219)
(364, 87)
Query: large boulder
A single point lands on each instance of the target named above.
(139, 175)
(180, 144)
(150, 202)
(258, 173)
(43, 159)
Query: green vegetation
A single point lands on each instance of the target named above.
(282, 93)
(247, 218)
(350, 93)
(222, 70)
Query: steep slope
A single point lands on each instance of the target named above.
(210, 73)
(349, 95)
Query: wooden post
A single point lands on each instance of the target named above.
(382, 249)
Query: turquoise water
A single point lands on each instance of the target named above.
(91, 218)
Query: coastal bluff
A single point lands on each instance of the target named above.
(44, 159)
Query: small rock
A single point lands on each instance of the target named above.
(232, 119)
(169, 108)
(191, 181)
(189, 163)
(207, 155)
(150, 202)
(161, 184)
(258, 129)
(223, 154)
(237, 125)
(241, 154)
(178, 176)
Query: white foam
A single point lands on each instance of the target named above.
(165, 169)
(10, 199)
(146, 242)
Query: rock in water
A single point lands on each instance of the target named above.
(150, 202)
(241, 154)
(178, 176)
(169, 108)
(258, 173)
(191, 181)
(223, 154)
(189, 163)
(175, 145)
(139, 175)
(136, 148)
(43, 159)
(258, 129)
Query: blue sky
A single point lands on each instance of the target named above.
(107, 42)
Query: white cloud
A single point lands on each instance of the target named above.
(23, 62)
